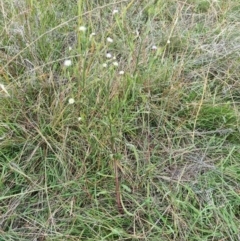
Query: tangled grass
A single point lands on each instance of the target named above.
(119, 120)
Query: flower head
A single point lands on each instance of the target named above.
(154, 47)
(82, 28)
(115, 63)
(104, 65)
(110, 40)
(121, 72)
(71, 101)
(115, 11)
(92, 34)
(109, 55)
(67, 62)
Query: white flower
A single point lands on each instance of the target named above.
(154, 47)
(121, 72)
(110, 40)
(82, 28)
(104, 65)
(71, 101)
(168, 42)
(79, 118)
(67, 62)
(115, 63)
(108, 55)
(115, 11)
(114, 57)
(92, 35)
(69, 48)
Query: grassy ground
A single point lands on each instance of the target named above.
(139, 145)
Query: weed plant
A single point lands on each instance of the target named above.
(119, 120)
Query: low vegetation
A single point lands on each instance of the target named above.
(119, 120)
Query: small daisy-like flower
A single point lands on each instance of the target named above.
(71, 101)
(104, 65)
(67, 62)
(115, 63)
(108, 55)
(114, 57)
(154, 47)
(110, 40)
(79, 118)
(82, 28)
(121, 72)
(115, 11)
(168, 42)
(69, 48)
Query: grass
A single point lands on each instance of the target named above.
(151, 153)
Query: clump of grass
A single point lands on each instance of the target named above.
(119, 121)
